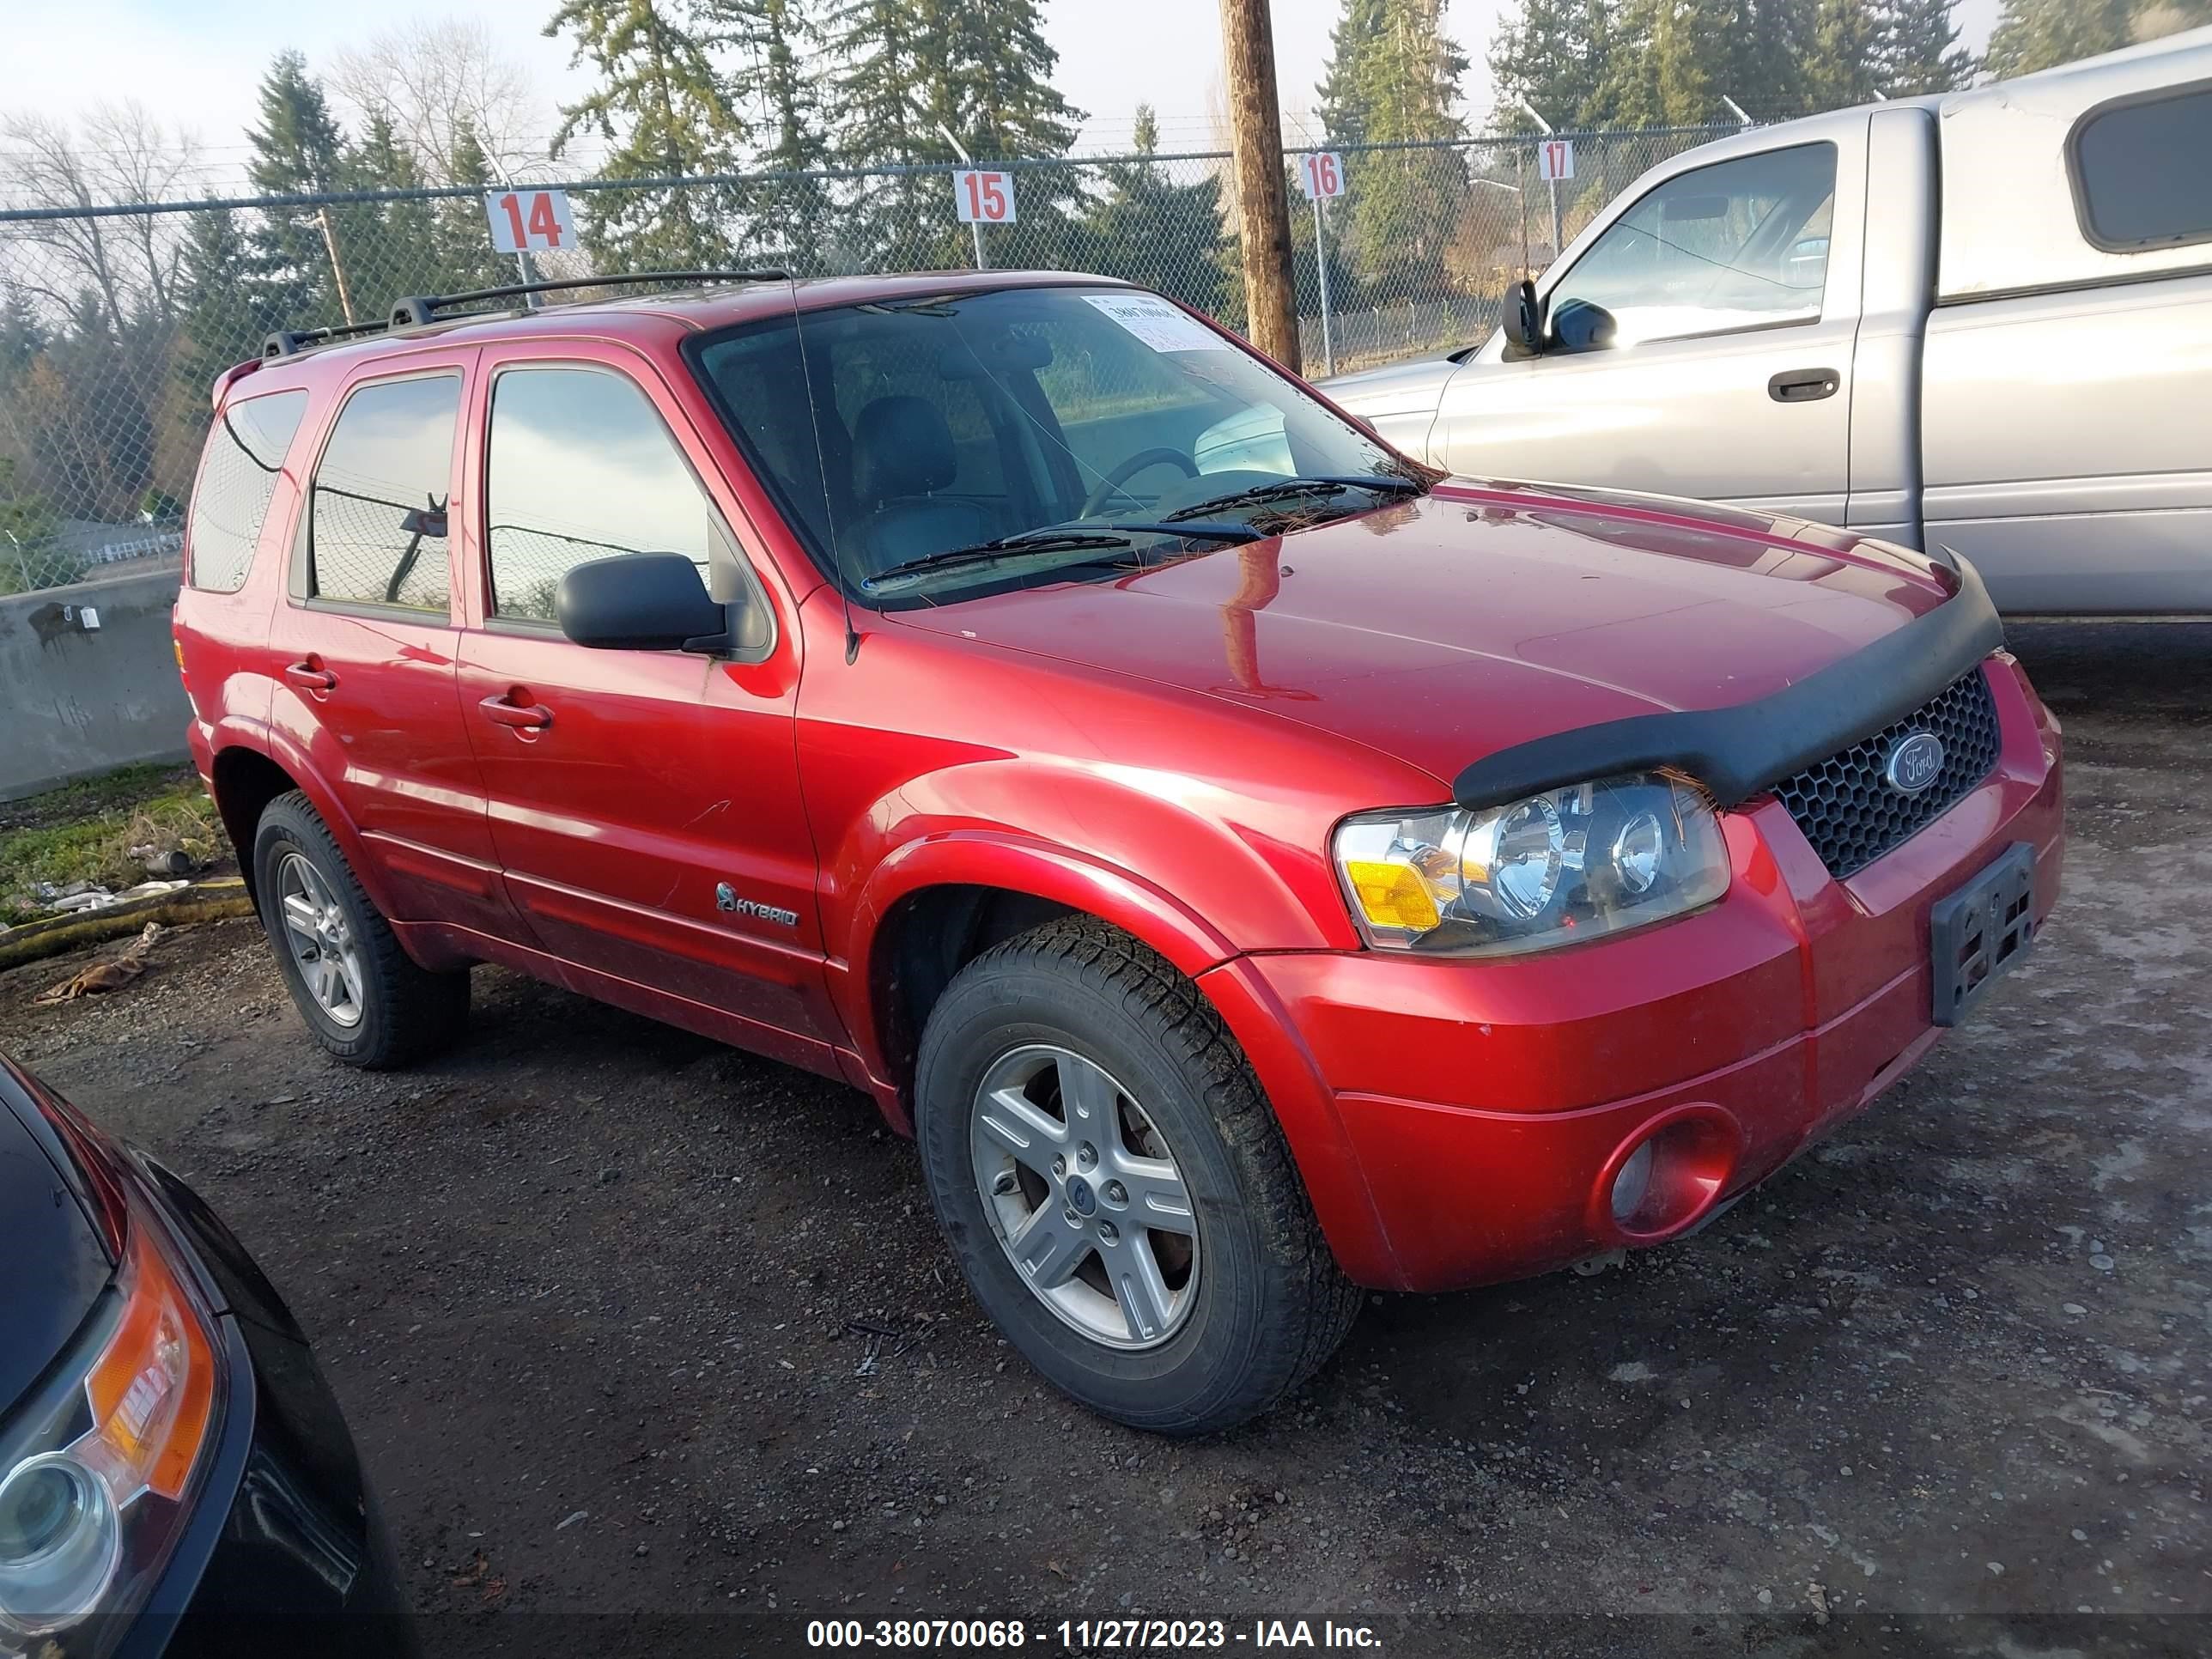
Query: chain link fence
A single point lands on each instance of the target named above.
(116, 318)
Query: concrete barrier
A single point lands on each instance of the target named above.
(88, 680)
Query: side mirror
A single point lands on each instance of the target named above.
(1523, 321)
(1580, 325)
(641, 602)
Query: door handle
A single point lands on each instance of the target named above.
(312, 676)
(1803, 385)
(518, 716)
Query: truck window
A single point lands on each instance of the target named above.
(238, 475)
(581, 467)
(1740, 244)
(2135, 185)
(377, 516)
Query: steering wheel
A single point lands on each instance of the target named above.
(1157, 456)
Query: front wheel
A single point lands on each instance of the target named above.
(1115, 1187)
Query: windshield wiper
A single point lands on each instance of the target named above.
(1319, 484)
(1057, 541)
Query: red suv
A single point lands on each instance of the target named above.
(1251, 866)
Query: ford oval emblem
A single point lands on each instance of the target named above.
(1916, 760)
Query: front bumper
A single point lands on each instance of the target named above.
(1459, 1123)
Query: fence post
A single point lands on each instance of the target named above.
(1321, 265)
(1521, 194)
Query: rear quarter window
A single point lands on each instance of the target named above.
(2140, 180)
(238, 470)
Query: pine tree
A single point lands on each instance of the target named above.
(1918, 50)
(391, 245)
(1840, 68)
(980, 70)
(228, 305)
(2038, 34)
(1394, 78)
(1552, 55)
(667, 112)
(780, 43)
(461, 236)
(1150, 230)
(298, 150)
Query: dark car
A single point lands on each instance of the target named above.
(175, 1477)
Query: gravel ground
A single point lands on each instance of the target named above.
(603, 1303)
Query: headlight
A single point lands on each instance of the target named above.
(1552, 869)
(98, 1466)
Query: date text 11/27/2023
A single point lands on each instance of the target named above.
(1089, 1635)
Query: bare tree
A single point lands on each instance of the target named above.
(437, 80)
(125, 156)
(132, 158)
(47, 169)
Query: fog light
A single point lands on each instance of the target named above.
(59, 1542)
(1633, 1185)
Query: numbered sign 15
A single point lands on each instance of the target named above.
(1555, 159)
(1324, 174)
(530, 221)
(983, 199)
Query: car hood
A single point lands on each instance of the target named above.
(1442, 630)
(56, 1263)
(1399, 389)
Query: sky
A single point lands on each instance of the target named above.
(195, 63)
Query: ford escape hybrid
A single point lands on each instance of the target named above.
(1251, 865)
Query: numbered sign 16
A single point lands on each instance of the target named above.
(530, 221)
(983, 199)
(1324, 174)
(1555, 159)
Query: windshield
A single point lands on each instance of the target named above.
(1090, 422)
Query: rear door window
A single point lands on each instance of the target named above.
(2140, 180)
(581, 467)
(238, 475)
(377, 515)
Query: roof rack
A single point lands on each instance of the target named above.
(286, 341)
(416, 309)
(419, 308)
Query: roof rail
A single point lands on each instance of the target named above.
(289, 342)
(416, 309)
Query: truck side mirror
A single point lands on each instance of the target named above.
(1523, 322)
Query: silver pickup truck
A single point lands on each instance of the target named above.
(1979, 321)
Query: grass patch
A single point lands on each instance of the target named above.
(84, 832)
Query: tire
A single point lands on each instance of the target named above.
(389, 1010)
(1261, 1303)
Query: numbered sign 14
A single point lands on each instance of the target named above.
(530, 221)
(1324, 174)
(983, 199)
(1555, 159)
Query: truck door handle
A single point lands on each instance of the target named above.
(520, 716)
(1803, 385)
(311, 676)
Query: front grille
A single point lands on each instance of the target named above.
(1846, 806)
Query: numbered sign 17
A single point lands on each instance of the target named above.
(1324, 174)
(530, 221)
(983, 199)
(1555, 159)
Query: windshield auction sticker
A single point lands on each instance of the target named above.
(1158, 324)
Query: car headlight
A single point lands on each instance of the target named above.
(1557, 868)
(98, 1466)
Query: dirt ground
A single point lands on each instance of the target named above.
(602, 1302)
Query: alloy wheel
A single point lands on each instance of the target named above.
(321, 939)
(1084, 1196)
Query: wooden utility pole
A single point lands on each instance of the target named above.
(1271, 306)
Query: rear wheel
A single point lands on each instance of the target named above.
(363, 998)
(1115, 1187)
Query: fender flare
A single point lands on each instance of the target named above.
(274, 747)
